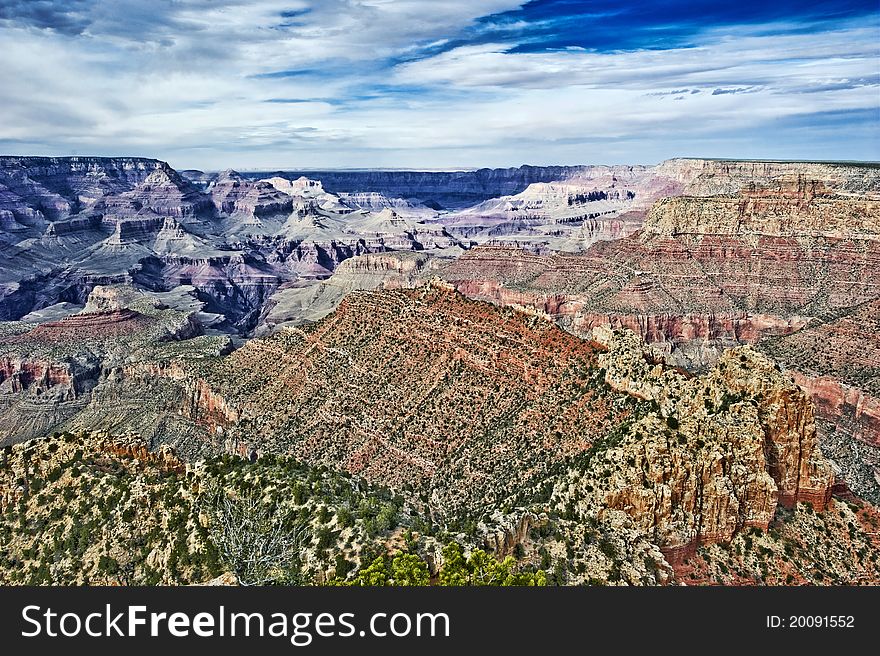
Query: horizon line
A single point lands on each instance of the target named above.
(452, 169)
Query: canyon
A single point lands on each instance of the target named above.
(70, 224)
(788, 265)
(513, 420)
(619, 374)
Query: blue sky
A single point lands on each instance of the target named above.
(439, 83)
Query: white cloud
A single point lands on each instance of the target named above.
(723, 60)
(184, 84)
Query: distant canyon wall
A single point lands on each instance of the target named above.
(449, 189)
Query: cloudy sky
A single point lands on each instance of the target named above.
(439, 83)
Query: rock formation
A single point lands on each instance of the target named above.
(446, 189)
(73, 223)
(50, 370)
(543, 430)
(786, 261)
(715, 457)
(235, 196)
(790, 206)
(592, 459)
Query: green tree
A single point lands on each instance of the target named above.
(482, 568)
(454, 570)
(409, 570)
(376, 573)
(404, 569)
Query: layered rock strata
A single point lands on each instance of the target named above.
(717, 456)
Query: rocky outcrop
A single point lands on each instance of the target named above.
(165, 193)
(505, 533)
(235, 195)
(850, 409)
(716, 456)
(206, 407)
(18, 375)
(128, 446)
(836, 361)
(788, 207)
(450, 189)
(794, 459)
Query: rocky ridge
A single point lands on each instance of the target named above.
(744, 411)
(50, 370)
(770, 263)
(73, 223)
(605, 466)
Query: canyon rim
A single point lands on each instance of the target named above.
(261, 324)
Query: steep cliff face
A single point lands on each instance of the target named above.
(449, 189)
(836, 362)
(695, 296)
(18, 375)
(51, 370)
(166, 193)
(710, 177)
(715, 457)
(793, 206)
(205, 407)
(236, 196)
(49, 363)
(507, 532)
(853, 411)
(794, 458)
(55, 187)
